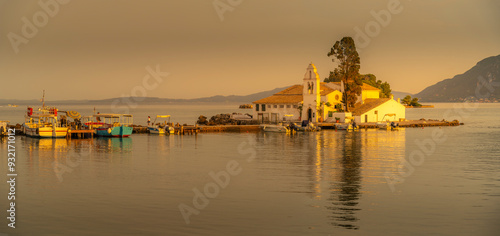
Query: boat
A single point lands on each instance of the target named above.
(43, 125)
(43, 122)
(344, 126)
(91, 122)
(246, 106)
(114, 125)
(3, 127)
(279, 128)
(306, 126)
(12, 105)
(387, 125)
(161, 128)
(383, 125)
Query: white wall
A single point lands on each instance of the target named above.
(388, 107)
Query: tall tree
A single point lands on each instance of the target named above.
(347, 71)
(385, 88)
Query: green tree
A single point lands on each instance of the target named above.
(414, 103)
(385, 88)
(347, 71)
(406, 100)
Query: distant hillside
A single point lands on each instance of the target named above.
(400, 94)
(463, 87)
(155, 100)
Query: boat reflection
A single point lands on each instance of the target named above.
(113, 145)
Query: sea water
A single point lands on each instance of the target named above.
(415, 181)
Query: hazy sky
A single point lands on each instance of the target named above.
(97, 49)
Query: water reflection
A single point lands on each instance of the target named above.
(337, 166)
(113, 145)
(345, 192)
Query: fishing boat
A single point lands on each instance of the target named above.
(43, 125)
(43, 122)
(3, 127)
(114, 125)
(161, 128)
(91, 122)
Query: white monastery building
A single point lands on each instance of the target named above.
(318, 101)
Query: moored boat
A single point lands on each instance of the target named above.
(279, 128)
(3, 127)
(346, 126)
(43, 126)
(114, 125)
(43, 123)
(161, 128)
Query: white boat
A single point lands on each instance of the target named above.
(387, 126)
(279, 128)
(3, 127)
(161, 128)
(44, 126)
(345, 126)
(383, 125)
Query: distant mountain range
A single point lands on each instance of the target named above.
(457, 89)
(482, 79)
(155, 100)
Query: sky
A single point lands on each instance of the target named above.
(97, 49)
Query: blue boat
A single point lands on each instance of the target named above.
(115, 125)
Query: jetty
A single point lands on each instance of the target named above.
(403, 124)
(197, 129)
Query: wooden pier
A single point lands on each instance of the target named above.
(80, 133)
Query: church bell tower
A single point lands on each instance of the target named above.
(311, 95)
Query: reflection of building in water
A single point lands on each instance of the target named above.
(345, 192)
(338, 167)
(354, 160)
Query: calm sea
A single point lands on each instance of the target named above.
(415, 181)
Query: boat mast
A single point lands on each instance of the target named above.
(43, 100)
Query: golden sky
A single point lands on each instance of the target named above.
(96, 49)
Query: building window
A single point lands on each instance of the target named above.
(256, 107)
(288, 106)
(275, 106)
(263, 107)
(376, 112)
(282, 106)
(268, 106)
(330, 113)
(295, 106)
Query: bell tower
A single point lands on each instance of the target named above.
(310, 93)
